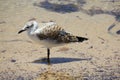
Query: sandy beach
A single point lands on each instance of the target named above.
(95, 59)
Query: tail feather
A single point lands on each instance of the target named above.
(81, 39)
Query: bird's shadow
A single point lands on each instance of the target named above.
(57, 60)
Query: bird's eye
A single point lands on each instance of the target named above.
(27, 27)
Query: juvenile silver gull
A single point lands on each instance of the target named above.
(50, 35)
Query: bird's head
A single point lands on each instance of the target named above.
(31, 25)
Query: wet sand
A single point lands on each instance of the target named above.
(95, 59)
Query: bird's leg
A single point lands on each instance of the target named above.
(48, 55)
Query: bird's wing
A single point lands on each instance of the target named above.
(55, 32)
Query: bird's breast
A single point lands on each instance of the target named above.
(45, 42)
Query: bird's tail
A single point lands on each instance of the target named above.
(67, 37)
(81, 39)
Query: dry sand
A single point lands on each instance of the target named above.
(95, 59)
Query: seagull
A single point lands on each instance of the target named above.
(49, 35)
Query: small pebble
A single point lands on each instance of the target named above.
(90, 47)
(102, 42)
(13, 60)
(86, 34)
(3, 51)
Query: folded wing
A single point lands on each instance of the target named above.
(56, 33)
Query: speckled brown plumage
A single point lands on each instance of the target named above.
(56, 33)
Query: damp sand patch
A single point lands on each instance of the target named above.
(56, 76)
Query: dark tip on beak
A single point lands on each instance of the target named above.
(21, 31)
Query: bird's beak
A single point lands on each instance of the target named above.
(21, 31)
